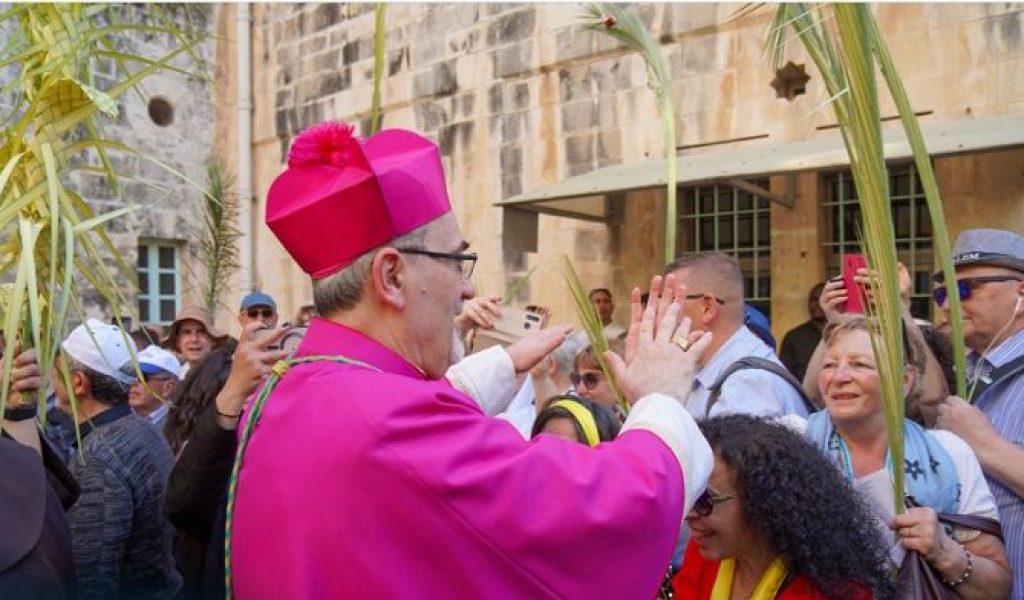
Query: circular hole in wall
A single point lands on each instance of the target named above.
(161, 112)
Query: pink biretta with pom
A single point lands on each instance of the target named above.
(342, 196)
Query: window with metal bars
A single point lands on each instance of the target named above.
(911, 225)
(159, 280)
(721, 218)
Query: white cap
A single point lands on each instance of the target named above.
(105, 351)
(154, 359)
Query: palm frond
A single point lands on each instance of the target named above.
(47, 232)
(940, 233)
(218, 245)
(591, 323)
(379, 55)
(843, 51)
(621, 22)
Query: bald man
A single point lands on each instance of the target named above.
(714, 303)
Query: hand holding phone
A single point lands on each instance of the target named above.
(512, 325)
(856, 293)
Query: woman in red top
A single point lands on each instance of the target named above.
(777, 521)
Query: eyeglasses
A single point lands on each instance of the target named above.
(589, 379)
(255, 313)
(707, 502)
(155, 377)
(466, 261)
(712, 296)
(967, 285)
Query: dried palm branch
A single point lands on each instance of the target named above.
(48, 233)
(591, 323)
(622, 23)
(842, 45)
(218, 244)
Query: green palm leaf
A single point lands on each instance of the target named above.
(842, 41)
(621, 22)
(591, 323)
(49, 234)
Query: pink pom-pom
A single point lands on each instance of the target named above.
(324, 144)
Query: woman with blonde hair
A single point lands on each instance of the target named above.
(942, 474)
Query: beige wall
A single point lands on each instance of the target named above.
(521, 98)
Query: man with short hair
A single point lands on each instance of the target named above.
(714, 302)
(601, 299)
(418, 491)
(990, 278)
(193, 336)
(257, 306)
(121, 542)
(160, 372)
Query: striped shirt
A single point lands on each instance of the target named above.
(1003, 404)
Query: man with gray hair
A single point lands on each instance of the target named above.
(407, 471)
(549, 377)
(989, 267)
(714, 302)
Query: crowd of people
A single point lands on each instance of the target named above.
(385, 458)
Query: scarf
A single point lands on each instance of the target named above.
(929, 474)
(766, 589)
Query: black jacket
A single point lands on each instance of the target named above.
(196, 500)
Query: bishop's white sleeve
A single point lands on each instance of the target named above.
(488, 377)
(666, 418)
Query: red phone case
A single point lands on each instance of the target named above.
(856, 298)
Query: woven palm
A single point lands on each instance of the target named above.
(50, 238)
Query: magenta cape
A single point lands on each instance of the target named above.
(365, 484)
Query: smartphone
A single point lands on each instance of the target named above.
(290, 341)
(511, 326)
(856, 295)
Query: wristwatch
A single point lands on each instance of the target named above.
(21, 413)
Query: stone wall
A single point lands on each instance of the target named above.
(519, 96)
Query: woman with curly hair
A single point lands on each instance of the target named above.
(191, 397)
(777, 521)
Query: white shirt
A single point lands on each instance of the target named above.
(747, 391)
(489, 378)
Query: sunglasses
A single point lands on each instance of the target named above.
(255, 313)
(589, 379)
(707, 502)
(966, 285)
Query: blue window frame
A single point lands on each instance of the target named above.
(159, 278)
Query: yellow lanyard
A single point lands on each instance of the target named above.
(767, 587)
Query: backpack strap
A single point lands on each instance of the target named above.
(762, 364)
(996, 376)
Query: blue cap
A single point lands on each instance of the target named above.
(757, 323)
(257, 299)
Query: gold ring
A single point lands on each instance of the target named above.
(682, 341)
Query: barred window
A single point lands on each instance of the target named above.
(159, 280)
(721, 218)
(911, 223)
